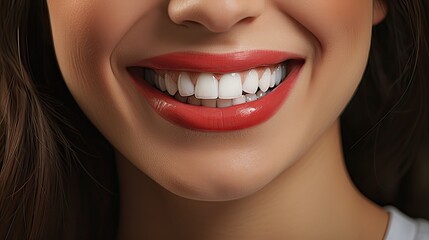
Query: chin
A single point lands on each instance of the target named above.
(218, 183)
(215, 190)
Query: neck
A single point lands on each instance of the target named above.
(313, 199)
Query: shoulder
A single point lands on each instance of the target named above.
(402, 227)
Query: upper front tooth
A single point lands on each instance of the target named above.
(264, 82)
(170, 85)
(186, 87)
(230, 86)
(251, 82)
(207, 87)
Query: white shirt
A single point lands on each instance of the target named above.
(402, 227)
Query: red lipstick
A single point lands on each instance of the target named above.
(202, 118)
(216, 63)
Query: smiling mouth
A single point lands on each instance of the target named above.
(219, 90)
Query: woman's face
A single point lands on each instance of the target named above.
(211, 53)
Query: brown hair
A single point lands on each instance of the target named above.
(49, 188)
(52, 185)
(385, 127)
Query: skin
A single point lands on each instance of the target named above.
(283, 179)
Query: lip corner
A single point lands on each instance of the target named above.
(232, 118)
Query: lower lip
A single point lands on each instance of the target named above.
(218, 119)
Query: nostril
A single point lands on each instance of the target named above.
(247, 20)
(189, 24)
(215, 16)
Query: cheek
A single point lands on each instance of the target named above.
(86, 32)
(331, 20)
(85, 35)
(342, 33)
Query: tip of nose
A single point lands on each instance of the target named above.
(216, 17)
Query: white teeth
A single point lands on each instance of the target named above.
(283, 69)
(223, 103)
(251, 82)
(157, 81)
(194, 101)
(230, 86)
(185, 85)
(207, 87)
(264, 82)
(251, 97)
(208, 102)
(273, 79)
(278, 72)
(211, 92)
(239, 100)
(161, 80)
(170, 85)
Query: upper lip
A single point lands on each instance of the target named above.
(216, 63)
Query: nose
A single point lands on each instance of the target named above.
(215, 15)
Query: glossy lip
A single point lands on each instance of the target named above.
(217, 119)
(216, 63)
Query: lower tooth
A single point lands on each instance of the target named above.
(194, 101)
(251, 97)
(260, 94)
(239, 100)
(208, 102)
(180, 98)
(223, 103)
